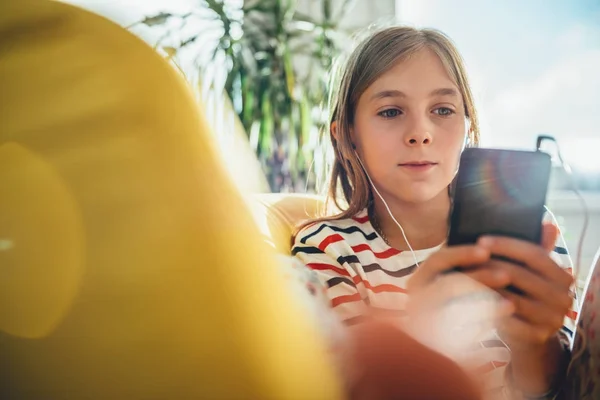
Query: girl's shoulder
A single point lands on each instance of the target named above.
(337, 229)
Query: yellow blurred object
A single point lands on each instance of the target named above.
(130, 267)
(30, 184)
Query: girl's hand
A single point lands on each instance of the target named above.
(450, 312)
(540, 312)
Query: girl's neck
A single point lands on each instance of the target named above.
(425, 224)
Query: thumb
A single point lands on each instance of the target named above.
(550, 234)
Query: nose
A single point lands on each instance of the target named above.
(418, 137)
(418, 129)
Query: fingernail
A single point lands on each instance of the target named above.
(486, 241)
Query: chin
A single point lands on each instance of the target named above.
(418, 194)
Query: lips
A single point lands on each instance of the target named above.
(418, 167)
(417, 163)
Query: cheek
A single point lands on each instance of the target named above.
(452, 146)
(381, 155)
(374, 142)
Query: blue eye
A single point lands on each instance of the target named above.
(390, 113)
(444, 111)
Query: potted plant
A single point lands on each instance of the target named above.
(273, 62)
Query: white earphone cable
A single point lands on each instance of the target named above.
(467, 128)
(388, 209)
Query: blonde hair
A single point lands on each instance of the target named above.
(369, 60)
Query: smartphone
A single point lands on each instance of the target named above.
(499, 192)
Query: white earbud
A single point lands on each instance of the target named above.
(387, 208)
(467, 130)
(466, 142)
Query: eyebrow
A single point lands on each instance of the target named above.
(444, 92)
(396, 93)
(387, 93)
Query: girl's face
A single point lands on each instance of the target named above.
(409, 129)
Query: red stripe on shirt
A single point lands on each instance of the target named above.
(336, 301)
(384, 254)
(384, 288)
(361, 220)
(572, 314)
(330, 239)
(324, 267)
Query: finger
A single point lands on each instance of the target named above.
(534, 286)
(535, 312)
(493, 278)
(444, 260)
(533, 256)
(513, 327)
(550, 233)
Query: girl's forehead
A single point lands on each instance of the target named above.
(422, 73)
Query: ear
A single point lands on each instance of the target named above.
(333, 130)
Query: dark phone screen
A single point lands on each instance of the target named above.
(500, 192)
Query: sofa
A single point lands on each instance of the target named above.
(277, 215)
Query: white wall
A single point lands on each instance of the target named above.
(569, 212)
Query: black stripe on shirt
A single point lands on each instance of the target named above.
(561, 250)
(350, 229)
(567, 331)
(307, 250)
(338, 279)
(396, 274)
(347, 260)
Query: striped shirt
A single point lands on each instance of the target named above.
(360, 272)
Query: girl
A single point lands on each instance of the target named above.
(403, 114)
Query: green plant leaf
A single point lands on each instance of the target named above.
(289, 71)
(273, 62)
(158, 19)
(305, 120)
(267, 133)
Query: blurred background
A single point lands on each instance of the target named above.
(262, 69)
